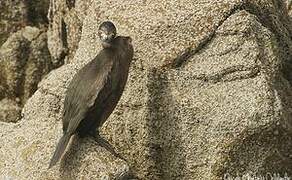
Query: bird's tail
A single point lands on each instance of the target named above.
(62, 144)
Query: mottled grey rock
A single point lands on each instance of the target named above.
(9, 110)
(37, 11)
(38, 64)
(57, 32)
(289, 7)
(16, 14)
(12, 17)
(13, 56)
(65, 26)
(24, 60)
(209, 94)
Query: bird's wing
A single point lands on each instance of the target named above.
(83, 90)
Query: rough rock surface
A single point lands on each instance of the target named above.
(65, 25)
(209, 94)
(9, 110)
(289, 8)
(16, 14)
(24, 60)
(12, 17)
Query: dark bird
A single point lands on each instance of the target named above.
(95, 90)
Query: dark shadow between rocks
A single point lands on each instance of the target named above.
(37, 12)
(164, 138)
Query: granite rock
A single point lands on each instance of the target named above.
(24, 60)
(209, 94)
(16, 14)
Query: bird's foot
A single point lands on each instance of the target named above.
(105, 144)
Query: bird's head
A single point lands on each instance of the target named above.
(107, 33)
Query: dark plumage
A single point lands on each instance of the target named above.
(94, 92)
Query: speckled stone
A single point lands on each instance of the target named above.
(209, 86)
(24, 60)
(16, 14)
(9, 110)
